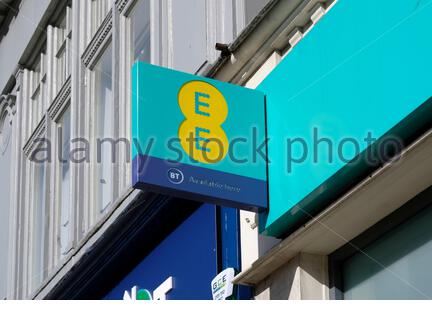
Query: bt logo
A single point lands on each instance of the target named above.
(205, 109)
(175, 176)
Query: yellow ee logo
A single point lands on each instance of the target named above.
(201, 135)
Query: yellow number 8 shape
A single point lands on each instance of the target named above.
(205, 109)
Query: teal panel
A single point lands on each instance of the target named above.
(162, 118)
(163, 102)
(362, 70)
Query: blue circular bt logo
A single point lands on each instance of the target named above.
(175, 176)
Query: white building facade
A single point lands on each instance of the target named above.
(66, 80)
(66, 75)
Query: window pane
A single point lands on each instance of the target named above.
(65, 227)
(103, 72)
(39, 227)
(189, 35)
(253, 7)
(140, 19)
(397, 266)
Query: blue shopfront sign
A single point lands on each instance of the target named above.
(198, 138)
(182, 267)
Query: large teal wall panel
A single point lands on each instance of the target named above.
(362, 70)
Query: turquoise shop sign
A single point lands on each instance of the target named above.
(198, 138)
(364, 70)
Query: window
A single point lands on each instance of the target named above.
(63, 49)
(246, 11)
(35, 173)
(38, 86)
(189, 35)
(140, 21)
(252, 8)
(397, 266)
(65, 182)
(38, 270)
(97, 13)
(104, 130)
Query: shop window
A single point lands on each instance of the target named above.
(395, 266)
